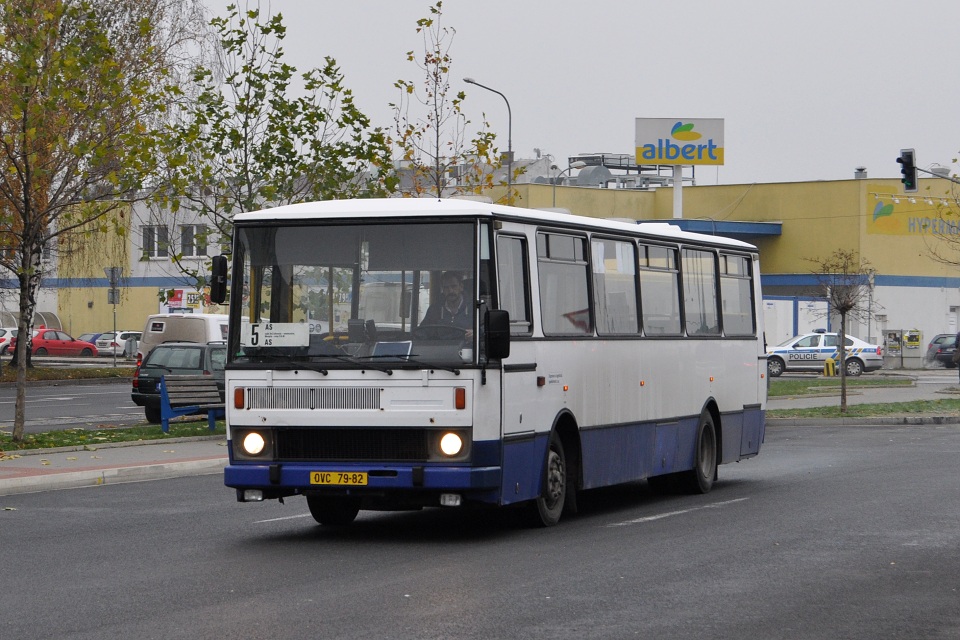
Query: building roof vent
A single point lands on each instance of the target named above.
(593, 176)
(940, 171)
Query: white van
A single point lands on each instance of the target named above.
(181, 327)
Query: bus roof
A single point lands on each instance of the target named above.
(433, 207)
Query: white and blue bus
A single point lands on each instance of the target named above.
(403, 353)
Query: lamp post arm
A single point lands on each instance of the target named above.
(509, 136)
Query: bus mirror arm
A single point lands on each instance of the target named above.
(497, 334)
(218, 280)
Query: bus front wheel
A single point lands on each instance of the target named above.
(549, 505)
(332, 511)
(700, 478)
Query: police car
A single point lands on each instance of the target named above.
(809, 352)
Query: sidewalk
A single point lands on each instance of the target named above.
(64, 468)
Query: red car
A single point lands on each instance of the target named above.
(57, 343)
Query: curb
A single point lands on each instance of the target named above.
(119, 475)
(204, 462)
(852, 422)
(115, 445)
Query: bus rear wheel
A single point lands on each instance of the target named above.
(700, 478)
(333, 512)
(548, 507)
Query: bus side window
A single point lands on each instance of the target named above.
(514, 283)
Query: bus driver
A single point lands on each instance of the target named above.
(453, 308)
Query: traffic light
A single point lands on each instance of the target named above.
(908, 168)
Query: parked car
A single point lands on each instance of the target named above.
(114, 343)
(175, 358)
(53, 342)
(6, 336)
(941, 349)
(89, 337)
(809, 352)
(181, 327)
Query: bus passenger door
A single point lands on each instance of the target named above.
(521, 464)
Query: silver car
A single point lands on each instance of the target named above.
(809, 352)
(110, 343)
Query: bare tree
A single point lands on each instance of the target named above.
(437, 156)
(845, 281)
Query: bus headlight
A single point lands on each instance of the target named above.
(253, 444)
(451, 444)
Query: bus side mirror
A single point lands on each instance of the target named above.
(218, 280)
(498, 334)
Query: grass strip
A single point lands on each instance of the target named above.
(91, 438)
(812, 386)
(34, 374)
(946, 407)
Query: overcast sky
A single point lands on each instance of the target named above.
(808, 90)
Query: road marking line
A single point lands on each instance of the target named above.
(670, 514)
(302, 515)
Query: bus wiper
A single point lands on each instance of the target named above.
(421, 363)
(287, 362)
(291, 366)
(280, 362)
(360, 363)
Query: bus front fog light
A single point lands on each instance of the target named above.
(253, 444)
(451, 444)
(252, 495)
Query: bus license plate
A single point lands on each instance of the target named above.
(349, 478)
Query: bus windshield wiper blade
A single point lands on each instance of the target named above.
(291, 366)
(278, 361)
(360, 363)
(426, 365)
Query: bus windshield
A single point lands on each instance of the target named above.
(384, 295)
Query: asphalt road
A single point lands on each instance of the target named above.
(831, 532)
(71, 405)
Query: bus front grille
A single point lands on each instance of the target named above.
(400, 445)
(355, 398)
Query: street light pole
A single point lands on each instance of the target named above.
(509, 137)
(579, 164)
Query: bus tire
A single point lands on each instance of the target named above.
(333, 512)
(548, 507)
(700, 478)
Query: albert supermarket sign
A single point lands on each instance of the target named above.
(679, 141)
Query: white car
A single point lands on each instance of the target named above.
(6, 334)
(110, 343)
(809, 352)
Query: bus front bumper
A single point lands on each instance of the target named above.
(428, 481)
